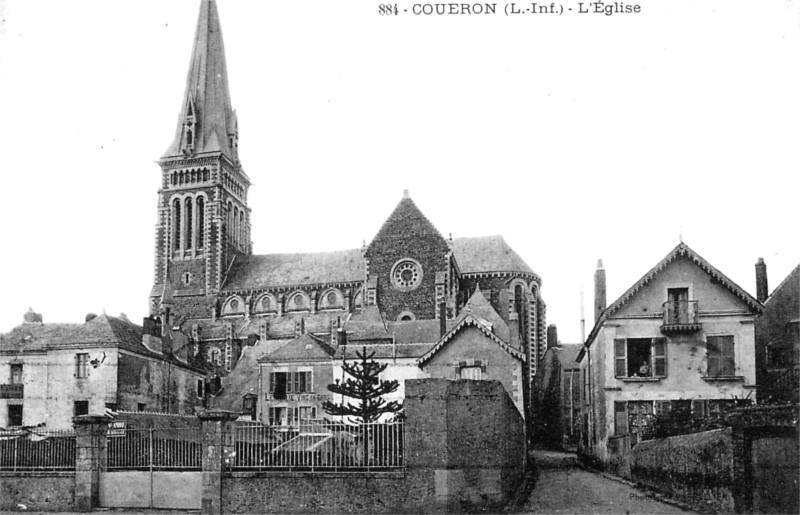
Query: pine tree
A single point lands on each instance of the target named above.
(366, 388)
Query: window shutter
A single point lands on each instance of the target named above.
(660, 357)
(712, 354)
(620, 362)
(302, 377)
(311, 385)
(728, 363)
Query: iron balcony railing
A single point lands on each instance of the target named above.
(320, 446)
(681, 315)
(34, 449)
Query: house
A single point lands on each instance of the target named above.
(209, 286)
(58, 371)
(556, 397)
(682, 337)
(778, 339)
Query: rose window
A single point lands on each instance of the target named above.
(407, 274)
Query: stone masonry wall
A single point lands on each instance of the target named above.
(696, 468)
(37, 491)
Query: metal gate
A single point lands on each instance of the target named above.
(153, 468)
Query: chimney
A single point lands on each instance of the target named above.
(552, 336)
(32, 318)
(299, 327)
(341, 337)
(599, 290)
(442, 319)
(762, 290)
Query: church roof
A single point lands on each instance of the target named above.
(405, 218)
(282, 270)
(207, 89)
(487, 254)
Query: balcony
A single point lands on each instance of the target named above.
(680, 316)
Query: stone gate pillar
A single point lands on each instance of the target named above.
(90, 459)
(219, 432)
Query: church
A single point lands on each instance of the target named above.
(410, 286)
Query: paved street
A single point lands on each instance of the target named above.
(563, 487)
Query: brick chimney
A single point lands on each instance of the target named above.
(552, 336)
(299, 327)
(762, 289)
(341, 337)
(599, 290)
(31, 317)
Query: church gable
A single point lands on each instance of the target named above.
(404, 259)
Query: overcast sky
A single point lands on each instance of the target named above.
(576, 137)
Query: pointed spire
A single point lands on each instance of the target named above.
(207, 122)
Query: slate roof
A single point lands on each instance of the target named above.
(207, 86)
(481, 325)
(568, 354)
(480, 308)
(301, 348)
(101, 330)
(487, 254)
(794, 275)
(386, 351)
(283, 270)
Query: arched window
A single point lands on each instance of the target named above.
(188, 241)
(189, 137)
(201, 222)
(176, 225)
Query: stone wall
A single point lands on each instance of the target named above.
(696, 468)
(37, 491)
(464, 451)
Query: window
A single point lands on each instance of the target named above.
(640, 357)
(308, 412)
(141, 406)
(635, 418)
(201, 219)
(277, 416)
(81, 408)
(249, 405)
(281, 383)
(15, 414)
(81, 359)
(16, 373)
(469, 373)
(720, 356)
(176, 228)
(200, 389)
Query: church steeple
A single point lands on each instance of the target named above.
(203, 216)
(207, 122)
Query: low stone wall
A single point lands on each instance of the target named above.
(265, 492)
(37, 491)
(145, 419)
(696, 468)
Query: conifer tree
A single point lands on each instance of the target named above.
(365, 387)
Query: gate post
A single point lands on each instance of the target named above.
(90, 459)
(218, 444)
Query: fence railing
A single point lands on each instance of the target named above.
(320, 446)
(156, 448)
(31, 449)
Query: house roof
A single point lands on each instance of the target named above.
(284, 270)
(482, 326)
(304, 347)
(681, 250)
(568, 354)
(386, 350)
(487, 254)
(793, 275)
(479, 307)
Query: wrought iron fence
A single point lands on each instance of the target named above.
(320, 446)
(32, 449)
(155, 449)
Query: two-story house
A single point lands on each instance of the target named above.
(681, 336)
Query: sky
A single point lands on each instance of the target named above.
(576, 136)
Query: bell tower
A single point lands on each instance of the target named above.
(203, 217)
